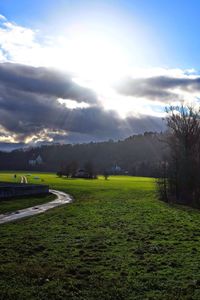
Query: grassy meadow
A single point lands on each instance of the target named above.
(115, 241)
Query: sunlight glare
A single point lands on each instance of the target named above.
(93, 56)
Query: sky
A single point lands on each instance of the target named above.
(80, 71)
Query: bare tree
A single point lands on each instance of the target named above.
(90, 169)
(105, 174)
(184, 159)
(73, 166)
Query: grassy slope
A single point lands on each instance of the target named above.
(116, 241)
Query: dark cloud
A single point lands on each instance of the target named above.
(27, 113)
(157, 88)
(29, 107)
(43, 81)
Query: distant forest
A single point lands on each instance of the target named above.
(137, 155)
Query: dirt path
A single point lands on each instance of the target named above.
(62, 198)
(23, 179)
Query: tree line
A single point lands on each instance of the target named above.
(137, 155)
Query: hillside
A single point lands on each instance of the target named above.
(136, 155)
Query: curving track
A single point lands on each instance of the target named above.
(23, 179)
(62, 198)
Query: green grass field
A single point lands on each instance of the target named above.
(115, 241)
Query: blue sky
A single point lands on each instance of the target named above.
(109, 68)
(172, 25)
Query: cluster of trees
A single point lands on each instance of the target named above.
(180, 170)
(72, 170)
(68, 170)
(136, 155)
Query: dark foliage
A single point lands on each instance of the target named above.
(137, 155)
(180, 178)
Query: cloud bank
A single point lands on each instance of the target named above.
(30, 110)
(160, 88)
(39, 103)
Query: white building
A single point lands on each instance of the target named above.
(37, 161)
(116, 169)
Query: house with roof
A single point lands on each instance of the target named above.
(36, 161)
(116, 170)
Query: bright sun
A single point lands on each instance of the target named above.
(93, 56)
(98, 62)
